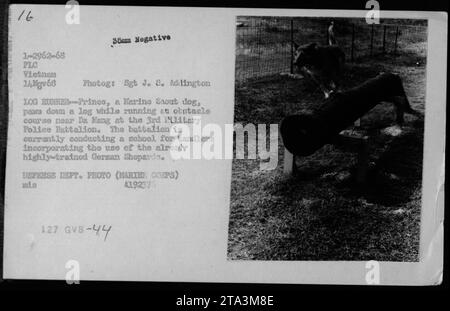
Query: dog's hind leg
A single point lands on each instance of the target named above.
(401, 101)
(402, 106)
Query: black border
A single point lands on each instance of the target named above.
(285, 294)
(398, 5)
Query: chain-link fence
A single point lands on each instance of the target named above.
(264, 44)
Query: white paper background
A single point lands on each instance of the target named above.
(178, 232)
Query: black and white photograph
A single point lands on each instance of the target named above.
(349, 98)
(241, 146)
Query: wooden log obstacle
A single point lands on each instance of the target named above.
(304, 134)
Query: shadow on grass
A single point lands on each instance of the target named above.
(398, 171)
(313, 215)
(303, 220)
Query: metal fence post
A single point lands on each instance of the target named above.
(353, 42)
(292, 46)
(396, 38)
(371, 41)
(384, 39)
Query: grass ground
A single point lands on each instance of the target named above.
(318, 213)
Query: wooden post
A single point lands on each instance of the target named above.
(384, 39)
(353, 42)
(396, 38)
(289, 162)
(292, 46)
(348, 141)
(371, 41)
(363, 161)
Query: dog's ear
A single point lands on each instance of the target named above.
(296, 45)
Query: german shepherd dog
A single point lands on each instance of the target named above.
(322, 64)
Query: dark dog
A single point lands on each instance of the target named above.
(323, 64)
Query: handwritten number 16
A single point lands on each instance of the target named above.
(27, 18)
